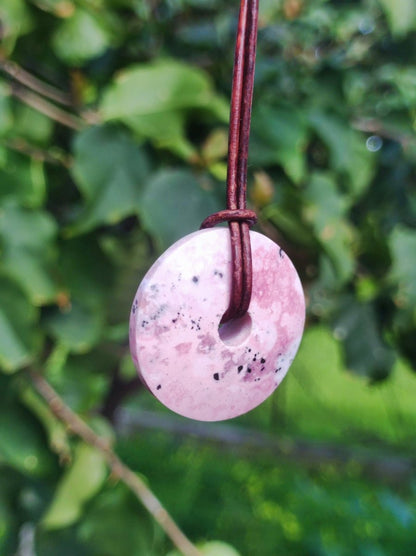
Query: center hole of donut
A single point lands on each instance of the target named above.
(235, 331)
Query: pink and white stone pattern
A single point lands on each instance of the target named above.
(174, 335)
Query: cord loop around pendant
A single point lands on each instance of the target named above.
(237, 214)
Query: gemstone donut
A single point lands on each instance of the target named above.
(191, 365)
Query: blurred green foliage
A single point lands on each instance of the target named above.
(113, 118)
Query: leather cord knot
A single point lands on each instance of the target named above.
(237, 215)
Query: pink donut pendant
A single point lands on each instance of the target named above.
(183, 358)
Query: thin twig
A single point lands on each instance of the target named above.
(383, 464)
(34, 83)
(53, 156)
(118, 468)
(371, 125)
(47, 108)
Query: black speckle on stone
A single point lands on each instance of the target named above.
(249, 350)
(278, 369)
(174, 320)
(262, 369)
(159, 387)
(262, 361)
(240, 368)
(195, 324)
(144, 322)
(216, 376)
(218, 273)
(281, 253)
(248, 370)
(195, 279)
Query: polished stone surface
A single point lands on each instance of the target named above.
(182, 357)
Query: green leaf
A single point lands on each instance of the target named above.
(59, 541)
(27, 239)
(280, 136)
(402, 243)
(215, 146)
(7, 526)
(403, 272)
(347, 149)
(212, 548)
(57, 432)
(218, 548)
(402, 79)
(154, 98)
(81, 37)
(22, 442)
(18, 336)
(162, 86)
(365, 350)
(268, 10)
(325, 209)
(78, 485)
(87, 273)
(129, 534)
(32, 125)
(171, 193)
(15, 21)
(22, 178)
(98, 151)
(83, 379)
(401, 15)
(110, 171)
(6, 116)
(166, 129)
(77, 327)
(286, 216)
(383, 411)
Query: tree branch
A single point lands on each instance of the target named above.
(118, 468)
(53, 157)
(371, 125)
(381, 465)
(41, 105)
(32, 82)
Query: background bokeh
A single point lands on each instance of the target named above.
(113, 140)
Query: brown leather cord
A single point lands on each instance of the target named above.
(237, 215)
